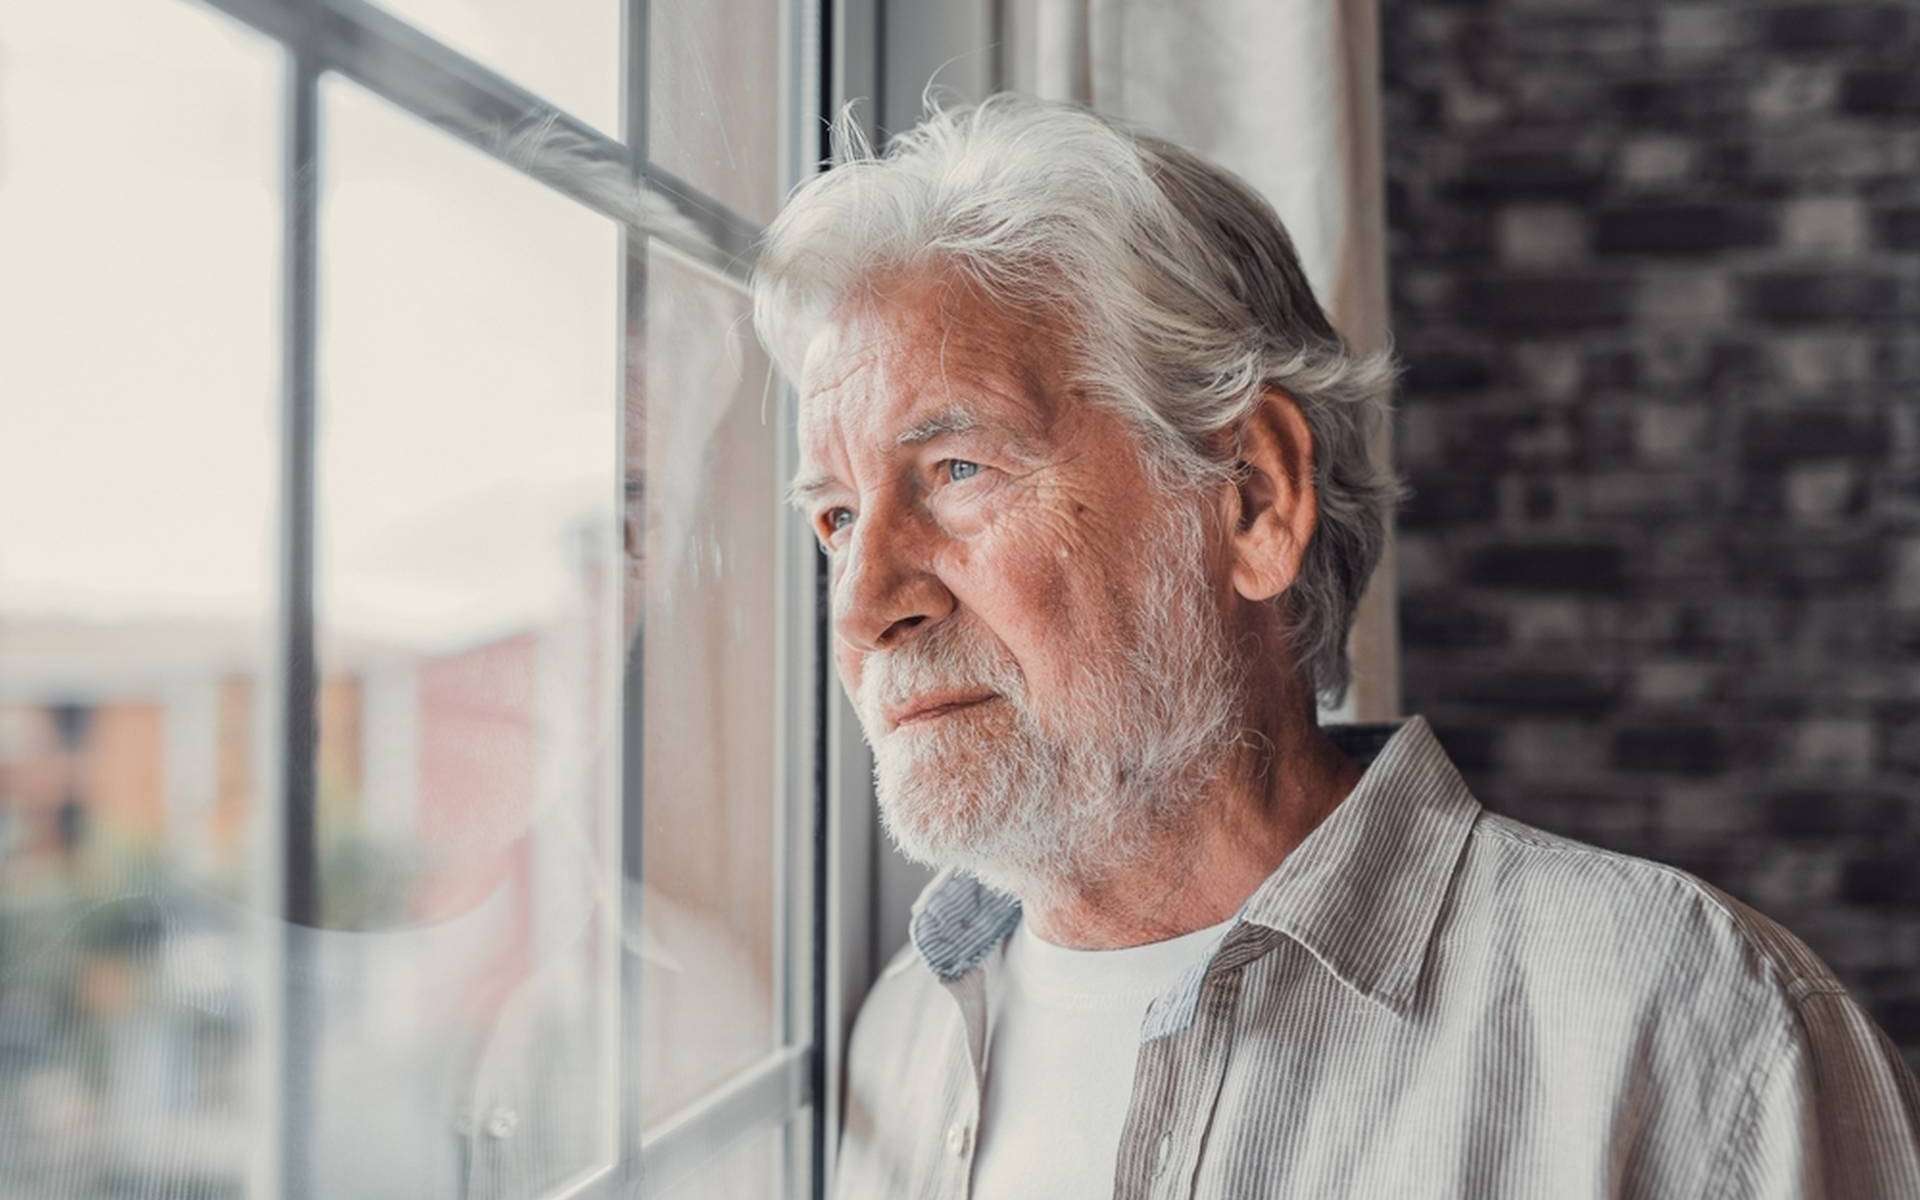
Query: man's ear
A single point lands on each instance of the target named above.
(1277, 504)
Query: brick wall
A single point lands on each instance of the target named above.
(1656, 275)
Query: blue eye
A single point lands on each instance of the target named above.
(838, 518)
(959, 469)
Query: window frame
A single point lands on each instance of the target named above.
(482, 107)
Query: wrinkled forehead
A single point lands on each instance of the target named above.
(896, 347)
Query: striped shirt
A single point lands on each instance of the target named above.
(1427, 999)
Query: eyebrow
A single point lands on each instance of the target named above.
(802, 492)
(957, 419)
(940, 424)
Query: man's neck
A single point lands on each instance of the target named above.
(1257, 814)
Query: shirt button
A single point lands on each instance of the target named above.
(1162, 1153)
(502, 1122)
(957, 1139)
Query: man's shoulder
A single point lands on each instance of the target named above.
(1632, 920)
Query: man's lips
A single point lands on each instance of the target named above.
(934, 704)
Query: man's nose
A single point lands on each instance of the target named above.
(887, 591)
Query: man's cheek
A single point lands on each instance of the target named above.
(848, 665)
(1039, 579)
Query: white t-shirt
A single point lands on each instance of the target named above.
(1063, 1036)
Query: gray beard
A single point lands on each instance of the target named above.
(1038, 811)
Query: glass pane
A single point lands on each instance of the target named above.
(707, 1006)
(140, 227)
(468, 610)
(566, 53)
(713, 96)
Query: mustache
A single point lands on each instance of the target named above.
(944, 657)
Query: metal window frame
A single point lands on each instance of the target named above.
(491, 113)
(296, 669)
(615, 178)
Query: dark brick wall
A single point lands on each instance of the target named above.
(1656, 275)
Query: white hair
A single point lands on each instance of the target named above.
(1180, 286)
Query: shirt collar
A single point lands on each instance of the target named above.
(1362, 893)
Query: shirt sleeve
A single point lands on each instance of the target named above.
(1832, 1113)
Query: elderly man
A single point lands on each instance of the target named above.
(1090, 467)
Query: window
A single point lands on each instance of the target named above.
(411, 690)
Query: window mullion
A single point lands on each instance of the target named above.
(294, 812)
(634, 77)
(632, 390)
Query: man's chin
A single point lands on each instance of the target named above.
(980, 848)
(936, 817)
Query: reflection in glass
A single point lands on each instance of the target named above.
(567, 54)
(464, 1035)
(468, 629)
(708, 996)
(713, 99)
(750, 1169)
(139, 355)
